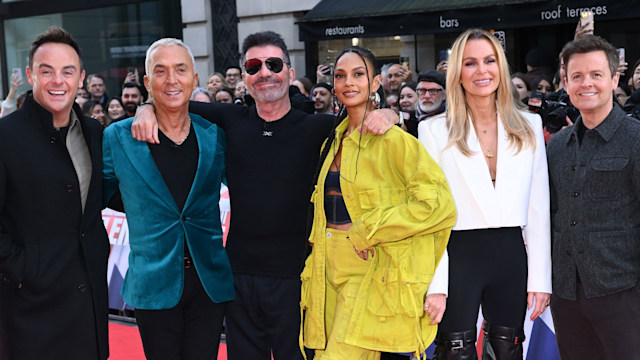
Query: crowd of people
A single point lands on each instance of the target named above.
(351, 237)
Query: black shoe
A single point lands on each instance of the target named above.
(456, 346)
(501, 342)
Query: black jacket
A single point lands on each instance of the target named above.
(53, 258)
(595, 207)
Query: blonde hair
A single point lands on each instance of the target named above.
(515, 124)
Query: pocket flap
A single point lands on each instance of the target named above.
(609, 164)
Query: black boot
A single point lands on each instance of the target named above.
(501, 342)
(456, 346)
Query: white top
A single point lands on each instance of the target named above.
(520, 196)
(8, 106)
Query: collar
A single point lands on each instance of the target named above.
(73, 119)
(42, 115)
(356, 136)
(605, 129)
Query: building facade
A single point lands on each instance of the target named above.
(114, 34)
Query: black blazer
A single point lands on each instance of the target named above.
(53, 258)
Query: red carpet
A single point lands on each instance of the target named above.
(125, 343)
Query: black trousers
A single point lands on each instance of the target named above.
(264, 318)
(487, 267)
(601, 328)
(189, 331)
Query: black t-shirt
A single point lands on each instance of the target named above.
(270, 171)
(177, 164)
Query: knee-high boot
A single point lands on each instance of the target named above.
(456, 346)
(501, 342)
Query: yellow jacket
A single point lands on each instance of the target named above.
(400, 205)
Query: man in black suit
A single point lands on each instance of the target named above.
(53, 245)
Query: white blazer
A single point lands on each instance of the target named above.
(520, 196)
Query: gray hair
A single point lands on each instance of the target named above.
(200, 90)
(166, 42)
(384, 70)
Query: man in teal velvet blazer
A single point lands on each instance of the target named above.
(179, 276)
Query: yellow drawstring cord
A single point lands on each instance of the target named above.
(300, 336)
(421, 348)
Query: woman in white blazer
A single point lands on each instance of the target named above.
(493, 157)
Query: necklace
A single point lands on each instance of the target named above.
(487, 151)
(186, 136)
(266, 132)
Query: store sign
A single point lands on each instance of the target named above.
(570, 13)
(500, 16)
(351, 31)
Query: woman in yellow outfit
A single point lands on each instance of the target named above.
(382, 218)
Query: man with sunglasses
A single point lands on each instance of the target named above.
(271, 162)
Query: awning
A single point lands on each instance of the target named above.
(334, 19)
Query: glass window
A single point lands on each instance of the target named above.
(112, 39)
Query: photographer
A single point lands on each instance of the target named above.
(555, 109)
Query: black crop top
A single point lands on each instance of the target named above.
(334, 207)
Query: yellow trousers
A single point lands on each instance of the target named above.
(344, 273)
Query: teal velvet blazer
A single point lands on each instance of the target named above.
(157, 228)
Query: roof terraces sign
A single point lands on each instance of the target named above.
(374, 23)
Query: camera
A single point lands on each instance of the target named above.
(553, 109)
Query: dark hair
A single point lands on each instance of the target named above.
(131, 84)
(591, 43)
(20, 100)
(87, 107)
(537, 80)
(142, 90)
(411, 84)
(265, 38)
(365, 54)
(308, 85)
(228, 68)
(557, 80)
(54, 34)
(524, 79)
(633, 69)
(227, 90)
(117, 98)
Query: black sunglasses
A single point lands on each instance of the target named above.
(274, 64)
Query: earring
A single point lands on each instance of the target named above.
(375, 100)
(336, 105)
